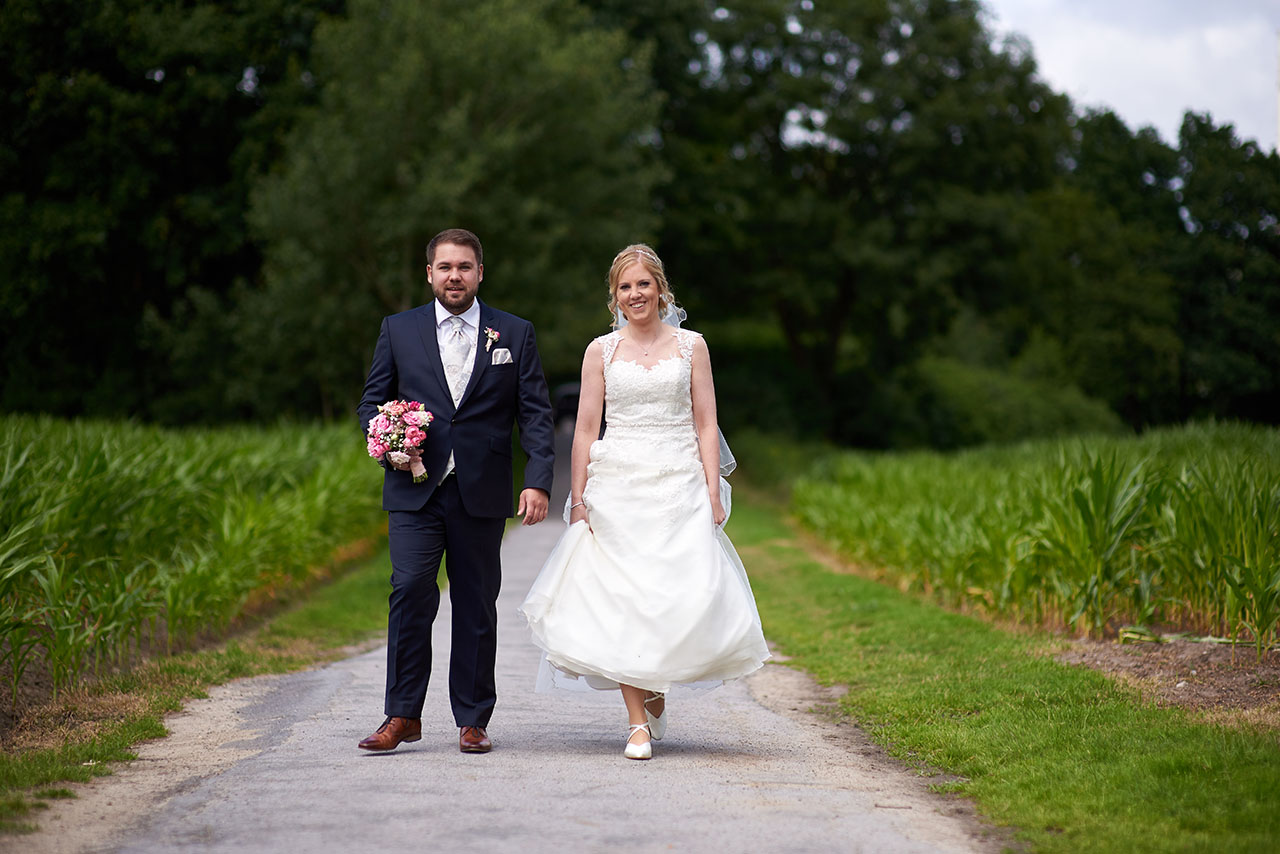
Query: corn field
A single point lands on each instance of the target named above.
(114, 535)
(1179, 527)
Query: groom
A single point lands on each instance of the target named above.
(476, 369)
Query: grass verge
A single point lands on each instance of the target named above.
(1072, 760)
(74, 738)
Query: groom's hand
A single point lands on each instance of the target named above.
(533, 505)
(415, 454)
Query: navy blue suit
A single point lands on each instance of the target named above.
(464, 516)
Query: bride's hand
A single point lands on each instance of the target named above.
(717, 511)
(579, 514)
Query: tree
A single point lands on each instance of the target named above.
(519, 120)
(1202, 215)
(817, 150)
(129, 133)
(1228, 267)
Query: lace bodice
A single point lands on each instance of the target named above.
(655, 397)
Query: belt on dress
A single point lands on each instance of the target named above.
(648, 425)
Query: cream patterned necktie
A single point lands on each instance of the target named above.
(456, 358)
(457, 350)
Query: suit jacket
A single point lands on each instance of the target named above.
(406, 366)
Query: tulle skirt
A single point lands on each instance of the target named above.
(651, 592)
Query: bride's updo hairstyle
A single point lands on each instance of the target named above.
(639, 253)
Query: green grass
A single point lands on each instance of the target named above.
(343, 613)
(1068, 758)
(101, 724)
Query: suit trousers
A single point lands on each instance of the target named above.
(471, 547)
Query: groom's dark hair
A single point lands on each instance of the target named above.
(459, 237)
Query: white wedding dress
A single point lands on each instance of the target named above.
(651, 593)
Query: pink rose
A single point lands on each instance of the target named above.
(413, 437)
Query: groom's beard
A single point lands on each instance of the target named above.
(456, 298)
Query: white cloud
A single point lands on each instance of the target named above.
(1150, 61)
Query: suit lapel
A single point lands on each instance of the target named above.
(431, 344)
(483, 354)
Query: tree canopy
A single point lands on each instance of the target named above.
(891, 225)
(516, 119)
(130, 134)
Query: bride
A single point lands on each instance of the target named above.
(644, 589)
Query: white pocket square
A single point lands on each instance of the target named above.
(501, 356)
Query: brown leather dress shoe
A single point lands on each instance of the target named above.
(393, 731)
(473, 739)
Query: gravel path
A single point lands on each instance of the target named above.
(271, 765)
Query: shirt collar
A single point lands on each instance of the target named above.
(471, 316)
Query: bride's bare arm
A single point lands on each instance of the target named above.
(587, 428)
(703, 390)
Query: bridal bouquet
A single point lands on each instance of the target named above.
(399, 427)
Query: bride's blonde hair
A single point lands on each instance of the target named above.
(642, 254)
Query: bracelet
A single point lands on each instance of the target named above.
(579, 504)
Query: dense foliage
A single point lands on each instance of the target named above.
(510, 117)
(888, 187)
(130, 135)
(888, 223)
(1180, 527)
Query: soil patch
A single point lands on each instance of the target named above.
(1194, 675)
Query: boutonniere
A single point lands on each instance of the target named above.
(492, 335)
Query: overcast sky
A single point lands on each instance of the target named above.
(1150, 60)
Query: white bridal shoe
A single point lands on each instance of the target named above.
(639, 751)
(658, 724)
